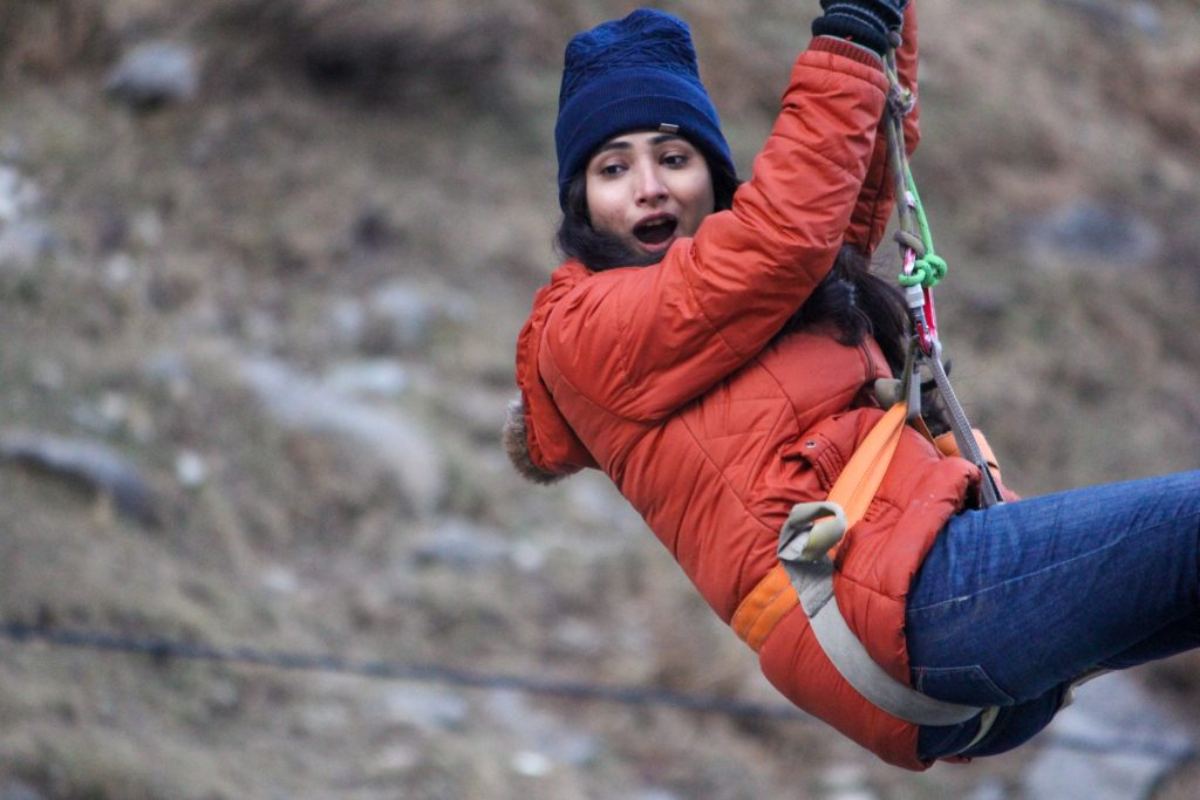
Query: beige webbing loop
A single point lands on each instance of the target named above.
(771, 598)
(804, 576)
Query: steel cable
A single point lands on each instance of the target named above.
(166, 649)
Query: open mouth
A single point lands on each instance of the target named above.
(656, 230)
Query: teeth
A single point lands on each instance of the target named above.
(655, 232)
(657, 222)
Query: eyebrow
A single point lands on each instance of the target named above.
(617, 144)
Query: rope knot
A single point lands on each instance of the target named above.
(912, 242)
(901, 100)
(927, 272)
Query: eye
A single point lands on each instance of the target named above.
(612, 170)
(675, 160)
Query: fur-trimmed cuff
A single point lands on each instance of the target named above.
(516, 444)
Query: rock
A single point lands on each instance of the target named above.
(845, 782)
(403, 316)
(322, 719)
(280, 579)
(424, 708)
(147, 228)
(400, 444)
(394, 761)
(18, 790)
(462, 545)
(1141, 17)
(989, 789)
(594, 499)
(12, 148)
(529, 557)
(91, 463)
(1111, 743)
(347, 320)
(25, 238)
(1146, 18)
(113, 413)
(119, 270)
(399, 52)
(190, 469)
(49, 375)
(373, 230)
(571, 747)
(1086, 233)
(378, 378)
(25, 243)
(155, 74)
(171, 371)
(549, 736)
(224, 698)
(18, 195)
(579, 637)
(531, 764)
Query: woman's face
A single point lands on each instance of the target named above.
(648, 189)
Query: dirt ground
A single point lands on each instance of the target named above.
(281, 309)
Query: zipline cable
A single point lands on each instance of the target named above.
(161, 648)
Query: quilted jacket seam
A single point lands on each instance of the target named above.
(741, 499)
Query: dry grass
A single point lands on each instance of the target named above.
(43, 40)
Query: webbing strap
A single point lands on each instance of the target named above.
(772, 598)
(813, 582)
(968, 446)
(806, 578)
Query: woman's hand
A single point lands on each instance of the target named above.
(865, 22)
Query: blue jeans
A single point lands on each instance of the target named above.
(1015, 602)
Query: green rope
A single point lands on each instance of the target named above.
(929, 268)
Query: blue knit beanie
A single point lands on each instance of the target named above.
(637, 73)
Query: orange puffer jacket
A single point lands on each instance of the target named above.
(672, 380)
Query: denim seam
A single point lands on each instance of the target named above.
(974, 671)
(1088, 554)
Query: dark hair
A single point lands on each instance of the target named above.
(857, 303)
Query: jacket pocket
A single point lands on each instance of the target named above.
(819, 451)
(970, 685)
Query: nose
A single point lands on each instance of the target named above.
(650, 188)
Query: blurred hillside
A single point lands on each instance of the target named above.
(259, 287)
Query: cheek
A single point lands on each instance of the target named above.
(698, 200)
(604, 206)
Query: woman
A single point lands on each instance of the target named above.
(713, 348)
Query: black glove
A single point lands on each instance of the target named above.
(865, 22)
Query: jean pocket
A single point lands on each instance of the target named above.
(969, 685)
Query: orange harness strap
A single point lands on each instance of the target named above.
(773, 597)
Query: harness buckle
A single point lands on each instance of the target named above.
(811, 531)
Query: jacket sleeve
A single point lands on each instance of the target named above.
(877, 199)
(640, 342)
